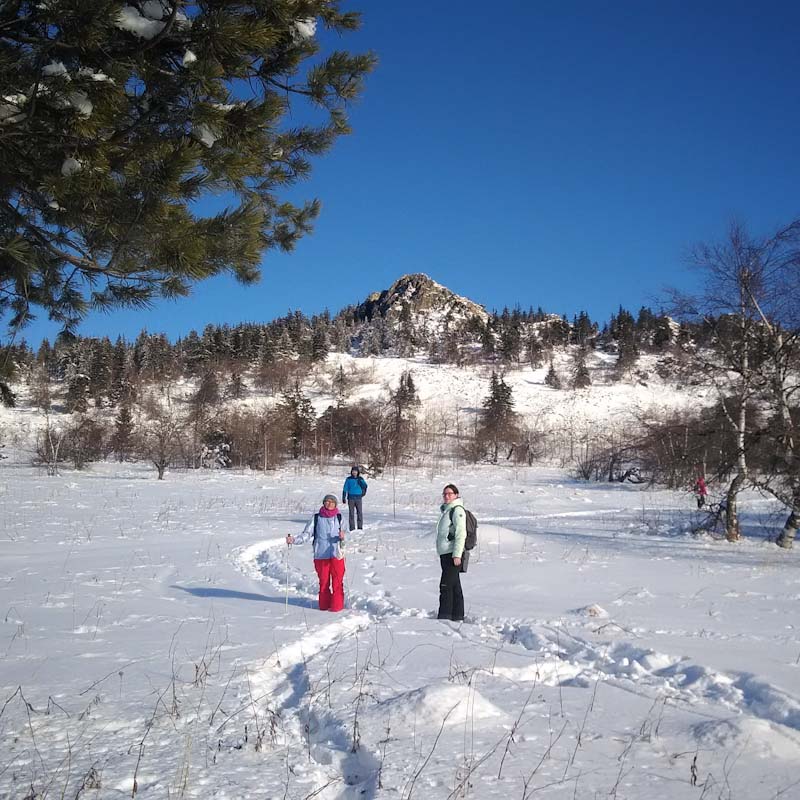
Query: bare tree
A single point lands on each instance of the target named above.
(775, 300)
(48, 445)
(161, 436)
(732, 277)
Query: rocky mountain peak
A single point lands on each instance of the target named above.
(419, 295)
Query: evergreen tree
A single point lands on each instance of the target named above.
(451, 348)
(122, 438)
(117, 118)
(235, 389)
(583, 330)
(41, 389)
(488, 341)
(551, 379)
(266, 349)
(7, 370)
(122, 391)
(340, 387)
(645, 326)
(435, 355)
(662, 336)
(207, 394)
(580, 372)
(404, 401)
(45, 357)
(555, 332)
(340, 337)
(76, 399)
(301, 420)
(284, 347)
(319, 345)
(534, 351)
(100, 370)
(510, 342)
(498, 420)
(623, 331)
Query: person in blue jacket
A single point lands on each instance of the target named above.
(326, 534)
(353, 492)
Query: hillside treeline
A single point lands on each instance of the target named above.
(185, 403)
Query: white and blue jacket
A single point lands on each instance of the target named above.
(325, 539)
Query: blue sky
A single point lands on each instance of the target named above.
(562, 155)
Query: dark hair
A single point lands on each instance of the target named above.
(453, 487)
(354, 467)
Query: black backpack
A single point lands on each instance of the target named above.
(472, 529)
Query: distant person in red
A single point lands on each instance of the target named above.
(700, 491)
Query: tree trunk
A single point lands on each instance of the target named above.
(732, 532)
(786, 538)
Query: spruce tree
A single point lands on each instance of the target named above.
(7, 370)
(534, 350)
(319, 345)
(236, 388)
(122, 438)
(340, 387)
(122, 391)
(551, 379)
(488, 341)
(207, 394)
(510, 342)
(580, 373)
(301, 420)
(117, 118)
(498, 420)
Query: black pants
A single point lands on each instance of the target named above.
(451, 600)
(354, 504)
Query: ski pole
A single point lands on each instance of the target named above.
(288, 551)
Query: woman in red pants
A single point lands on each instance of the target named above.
(327, 536)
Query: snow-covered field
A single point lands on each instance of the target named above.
(159, 638)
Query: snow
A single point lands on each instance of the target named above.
(160, 634)
(204, 134)
(148, 23)
(70, 166)
(54, 68)
(145, 26)
(189, 58)
(11, 108)
(81, 103)
(305, 28)
(99, 77)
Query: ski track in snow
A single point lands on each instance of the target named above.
(561, 657)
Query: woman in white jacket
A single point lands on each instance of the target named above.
(327, 536)
(451, 535)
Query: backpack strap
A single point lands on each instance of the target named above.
(453, 511)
